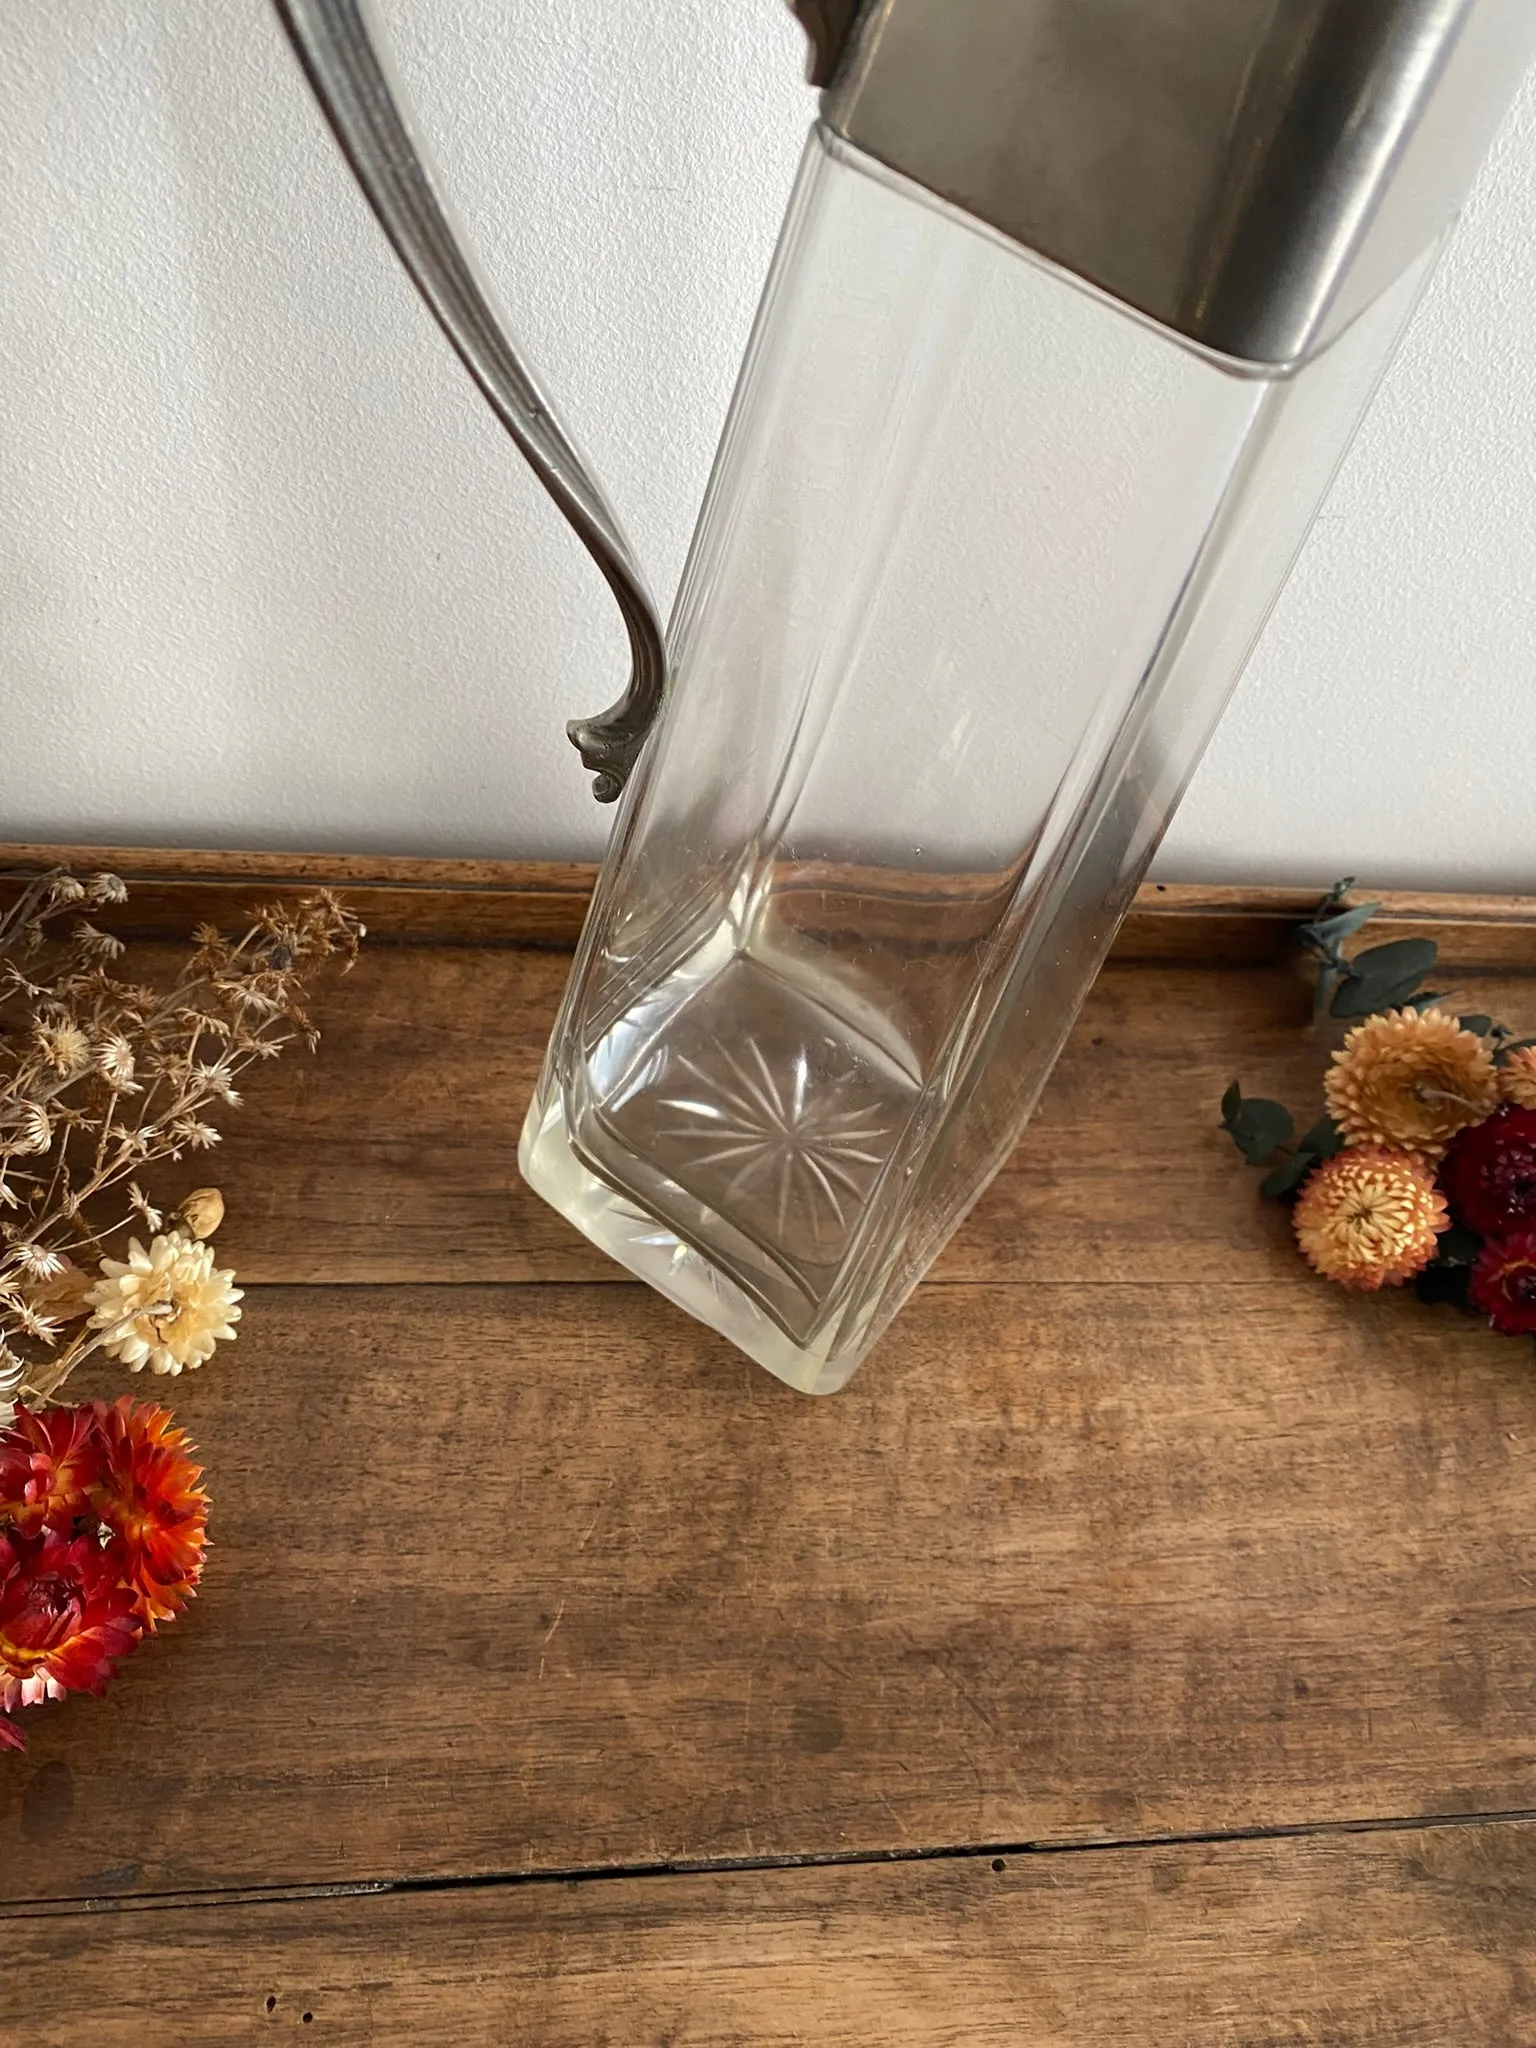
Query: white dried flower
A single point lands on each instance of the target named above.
(254, 999)
(65, 889)
(167, 1308)
(63, 1045)
(190, 1130)
(206, 1021)
(98, 945)
(44, 1328)
(30, 1130)
(11, 1370)
(218, 1080)
(105, 888)
(36, 1261)
(114, 1063)
(144, 1207)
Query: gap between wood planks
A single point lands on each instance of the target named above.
(730, 1866)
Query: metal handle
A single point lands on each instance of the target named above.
(343, 49)
(828, 24)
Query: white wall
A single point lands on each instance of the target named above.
(269, 575)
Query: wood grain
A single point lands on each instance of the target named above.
(1380, 1941)
(517, 902)
(1131, 1530)
(545, 902)
(393, 1155)
(545, 1579)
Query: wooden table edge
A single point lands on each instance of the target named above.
(522, 902)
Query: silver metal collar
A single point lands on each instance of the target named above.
(1252, 173)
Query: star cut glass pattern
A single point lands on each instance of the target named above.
(770, 1110)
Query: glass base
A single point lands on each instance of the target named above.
(665, 1261)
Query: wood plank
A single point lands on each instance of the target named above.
(393, 1155)
(544, 903)
(540, 1579)
(521, 902)
(1247, 925)
(1378, 1941)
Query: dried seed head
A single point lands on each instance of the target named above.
(114, 1062)
(28, 1131)
(218, 1080)
(203, 1211)
(189, 1130)
(63, 1045)
(255, 999)
(42, 1329)
(98, 945)
(36, 1261)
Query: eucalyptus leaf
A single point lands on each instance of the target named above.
(1231, 1103)
(1288, 1176)
(1396, 960)
(1478, 1023)
(1259, 1129)
(1363, 996)
(1324, 933)
(1324, 1139)
(1383, 977)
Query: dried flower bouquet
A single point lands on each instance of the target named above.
(1423, 1166)
(102, 1514)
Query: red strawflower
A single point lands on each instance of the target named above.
(149, 1497)
(66, 1617)
(1489, 1174)
(1504, 1283)
(49, 1459)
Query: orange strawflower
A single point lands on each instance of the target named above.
(150, 1499)
(1369, 1217)
(1410, 1080)
(1517, 1077)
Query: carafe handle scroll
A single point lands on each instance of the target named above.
(345, 55)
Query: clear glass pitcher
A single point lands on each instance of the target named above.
(1075, 309)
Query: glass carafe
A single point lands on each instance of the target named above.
(1074, 312)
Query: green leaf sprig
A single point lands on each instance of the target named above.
(1381, 978)
(1261, 1131)
(1385, 977)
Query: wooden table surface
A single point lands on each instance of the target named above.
(1142, 1650)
